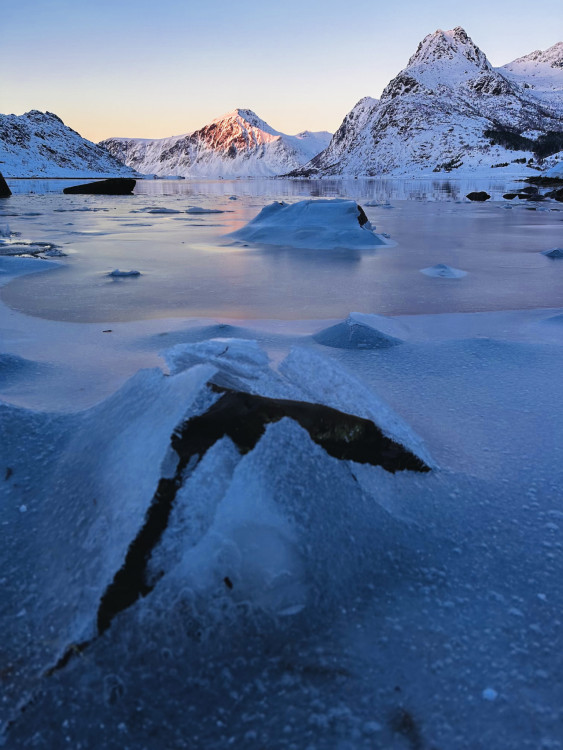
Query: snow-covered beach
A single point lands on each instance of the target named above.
(292, 597)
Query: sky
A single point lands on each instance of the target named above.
(152, 69)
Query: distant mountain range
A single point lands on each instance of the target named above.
(449, 109)
(39, 144)
(238, 144)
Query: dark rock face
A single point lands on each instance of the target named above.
(113, 186)
(556, 195)
(5, 191)
(362, 218)
(480, 195)
(509, 196)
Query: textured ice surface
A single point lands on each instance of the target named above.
(315, 224)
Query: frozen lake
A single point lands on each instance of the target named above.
(190, 269)
(172, 579)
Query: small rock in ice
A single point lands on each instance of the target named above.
(442, 271)
(556, 252)
(233, 198)
(116, 273)
(489, 694)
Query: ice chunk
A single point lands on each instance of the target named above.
(199, 210)
(360, 331)
(315, 224)
(5, 231)
(238, 357)
(556, 252)
(442, 271)
(159, 210)
(87, 490)
(269, 542)
(117, 274)
(324, 381)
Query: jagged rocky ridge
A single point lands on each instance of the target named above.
(39, 144)
(447, 109)
(238, 144)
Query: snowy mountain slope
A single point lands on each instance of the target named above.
(433, 116)
(238, 144)
(39, 144)
(541, 73)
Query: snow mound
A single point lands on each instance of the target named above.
(442, 271)
(117, 274)
(359, 332)
(312, 224)
(556, 252)
(158, 210)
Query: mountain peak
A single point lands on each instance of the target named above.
(246, 118)
(455, 45)
(553, 56)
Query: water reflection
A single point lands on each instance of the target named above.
(380, 189)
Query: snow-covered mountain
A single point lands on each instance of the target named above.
(541, 73)
(238, 144)
(449, 107)
(39, 144)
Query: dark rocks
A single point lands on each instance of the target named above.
(531, 197)
(5, 191)
(480, 195)
(509, 196)
(557, 195)
(113, 186)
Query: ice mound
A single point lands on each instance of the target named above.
(5, 231)
(376, 204)
(198, 210)
(234, 358)
(556, 252)
(442, 271)
(117, 274)
(360, 331)
(158, 210)
(322, 224)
